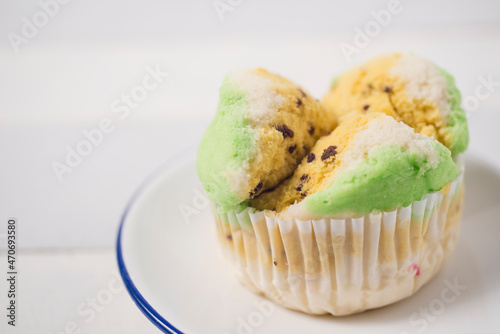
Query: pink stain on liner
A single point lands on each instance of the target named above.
(415, 268)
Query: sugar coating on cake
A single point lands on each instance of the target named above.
(262, 99)
(369, 162)
(423, 81)
(264, 125)
(381, 131)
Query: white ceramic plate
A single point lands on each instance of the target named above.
(174, 270)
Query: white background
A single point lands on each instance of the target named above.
(64, 80)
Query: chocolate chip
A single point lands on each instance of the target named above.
(275, 263)
(304, 194)
(292, 148)
(327, 133)
(299, 102)
(229, 237)
(299, 188)
(366, 106)
(330, 151)
(302, 92)
(310, 157)
(285, 130)
(311, 129)
(387, 89)
(256, 191)
(258, 187)
(305, 178)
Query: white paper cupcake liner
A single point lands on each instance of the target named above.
(343, 266)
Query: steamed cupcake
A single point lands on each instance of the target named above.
(408, 88)
(326, 219)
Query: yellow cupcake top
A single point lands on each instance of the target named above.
(410, 89)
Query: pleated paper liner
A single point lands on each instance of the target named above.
(343, 266)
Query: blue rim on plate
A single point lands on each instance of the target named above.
(137, 297)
